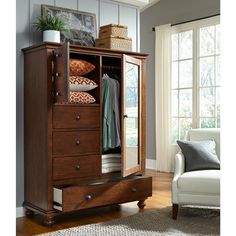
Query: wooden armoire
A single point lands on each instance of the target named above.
(63, 140)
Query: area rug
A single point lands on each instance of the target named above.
(190, 221)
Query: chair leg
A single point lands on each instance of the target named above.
(174, 211)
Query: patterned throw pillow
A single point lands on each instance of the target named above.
(80, 84)
(81, 97)
(80, 67)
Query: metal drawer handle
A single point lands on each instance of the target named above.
(77, 167)
(77, 117)
(77, 142)
(133, 190)
(56, 74)
(88, 197)
(55, 54)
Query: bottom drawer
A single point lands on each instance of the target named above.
(102, 193)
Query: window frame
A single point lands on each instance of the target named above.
(196, 86)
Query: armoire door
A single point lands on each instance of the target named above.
(131, 116)
(61, 73)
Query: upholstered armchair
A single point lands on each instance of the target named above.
(200, 187)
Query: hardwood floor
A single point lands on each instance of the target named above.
(161, 198)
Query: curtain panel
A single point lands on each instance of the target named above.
(164, 150)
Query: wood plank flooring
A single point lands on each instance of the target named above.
(27, 226)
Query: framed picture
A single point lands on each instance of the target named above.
(82, 27)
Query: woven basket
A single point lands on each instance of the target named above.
(117, 43)
(113, 30)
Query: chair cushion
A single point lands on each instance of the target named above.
(201, 181)
(199, 155)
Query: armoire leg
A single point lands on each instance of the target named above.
(175, 211)
(48, 220)
(28, 212)
(141, 204)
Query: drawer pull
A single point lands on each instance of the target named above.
(133, 190)
(77, 142)
(58, 94)
(77, 167)
(56, 74)
(77, 117)
(88, 197)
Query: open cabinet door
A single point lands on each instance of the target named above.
(131, 116)
(61, 73)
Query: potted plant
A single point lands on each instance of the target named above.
(51, 26)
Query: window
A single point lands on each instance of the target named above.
(195, 77)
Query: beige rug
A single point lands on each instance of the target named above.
(191, 221)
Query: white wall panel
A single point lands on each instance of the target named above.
(108, 13)
(22, 40)
(128, 18)
(35, 11)
(90, 6)
(71, 4)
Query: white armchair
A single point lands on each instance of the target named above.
(200, 187)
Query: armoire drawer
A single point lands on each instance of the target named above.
(76, 167)
(76, 117)
(101, 193)
(76, 142)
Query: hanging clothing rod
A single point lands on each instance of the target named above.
(184, 22)
(111, 67)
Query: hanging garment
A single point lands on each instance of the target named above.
(116, 108)
(111, 113)
(108, 134)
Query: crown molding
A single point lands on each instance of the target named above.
(152, 2)
(137, 3)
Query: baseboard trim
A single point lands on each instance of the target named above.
(151, 164)
(20, 212)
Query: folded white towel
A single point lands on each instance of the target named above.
(111, 169)
(111, 155)
(104, 165)
(111, 161)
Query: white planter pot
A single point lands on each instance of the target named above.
(51, 36)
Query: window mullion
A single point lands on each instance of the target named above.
(178, 90)
(195, 79)
(215, 110)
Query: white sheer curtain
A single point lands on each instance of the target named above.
(164, 149)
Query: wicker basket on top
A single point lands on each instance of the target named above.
(114, 36)
(114, 30)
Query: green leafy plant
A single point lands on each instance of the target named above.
(49, 23)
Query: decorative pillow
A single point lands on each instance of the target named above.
(80, 84)
(199, 155)
(81, 97)
(80, 67)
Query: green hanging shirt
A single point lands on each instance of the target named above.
(108, 122)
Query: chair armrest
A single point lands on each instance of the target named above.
(179, 170)
(179, 165)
